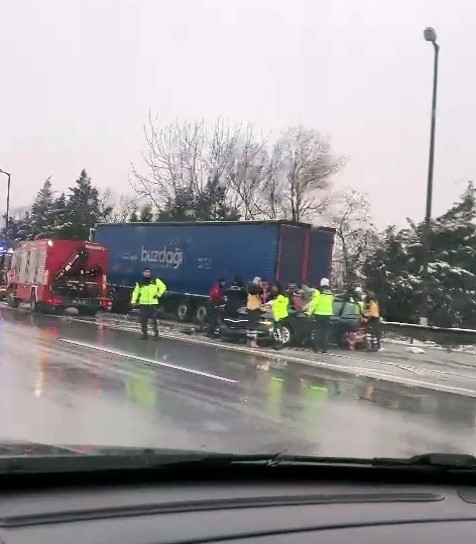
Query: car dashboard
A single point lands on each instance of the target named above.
(259, 513)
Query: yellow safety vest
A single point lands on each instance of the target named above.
(148, 294)
(322, 304)
(280, 308)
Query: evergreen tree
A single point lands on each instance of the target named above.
(208, 205)
(134, 218)
(18, 229)
(82, 209)
(395, 270)
(452, 266)
(146, 215)
(61, 222)
(42, 215)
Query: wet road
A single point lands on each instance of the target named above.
(67, 381)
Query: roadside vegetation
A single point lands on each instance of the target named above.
(197, 172)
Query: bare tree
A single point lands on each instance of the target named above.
(356, 235)
(301, 173)
(247, 174)
(184, 160)
(190, 158)
(116, 208)
(182, 156)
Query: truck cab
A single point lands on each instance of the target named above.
(58, 274)
(6, 255)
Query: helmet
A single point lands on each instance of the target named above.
(324, 282)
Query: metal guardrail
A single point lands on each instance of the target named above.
(446, 337)
(453, 336)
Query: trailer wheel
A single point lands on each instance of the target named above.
(201, 314)
(183, 311)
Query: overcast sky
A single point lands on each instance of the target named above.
(78, 78)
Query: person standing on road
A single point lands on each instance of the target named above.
(280, 309)
(235, 297)
(254, 308)
(321, 308)
(360, 299)
(216, 298)
(146, 295)
(372, 315)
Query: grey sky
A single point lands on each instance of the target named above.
(79, 77)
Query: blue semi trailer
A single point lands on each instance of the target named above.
(190, 257)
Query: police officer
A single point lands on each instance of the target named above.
(146, 295)
(321, 308)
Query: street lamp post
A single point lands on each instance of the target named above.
(430, 36)
(7, 217)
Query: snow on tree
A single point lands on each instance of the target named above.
(134, 218)
(356, 236)
(394, 270)
(42, 216)
(146, 214)
(303, 167)
(114, 208)
(82, 209)
(230, 172)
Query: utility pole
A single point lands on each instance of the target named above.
(7, 218)
(430, 36)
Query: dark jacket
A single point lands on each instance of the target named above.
(235, 299)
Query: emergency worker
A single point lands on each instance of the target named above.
(280, 310)
(216, 298)
(360, 299)
(146, 295)
(321, 309)
(372, 315)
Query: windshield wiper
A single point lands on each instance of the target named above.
(132, 459)
(450, 461)
(150, 459)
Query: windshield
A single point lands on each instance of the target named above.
(239, 226)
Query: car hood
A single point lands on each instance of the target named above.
(14, 448)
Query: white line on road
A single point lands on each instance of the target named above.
(359, 371)
(146, 360)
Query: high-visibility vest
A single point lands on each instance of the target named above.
(280, 308)
(148, 294)
(322, 303)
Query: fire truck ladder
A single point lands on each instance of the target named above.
(77, 255)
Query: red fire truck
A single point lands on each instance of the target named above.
(59, 274)
(5, 260)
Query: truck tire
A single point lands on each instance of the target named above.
(201, 314)
(182, 311)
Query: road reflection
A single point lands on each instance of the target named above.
(66, 393)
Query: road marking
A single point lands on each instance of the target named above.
(147, 360)
(359, 371)
(356, 371)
